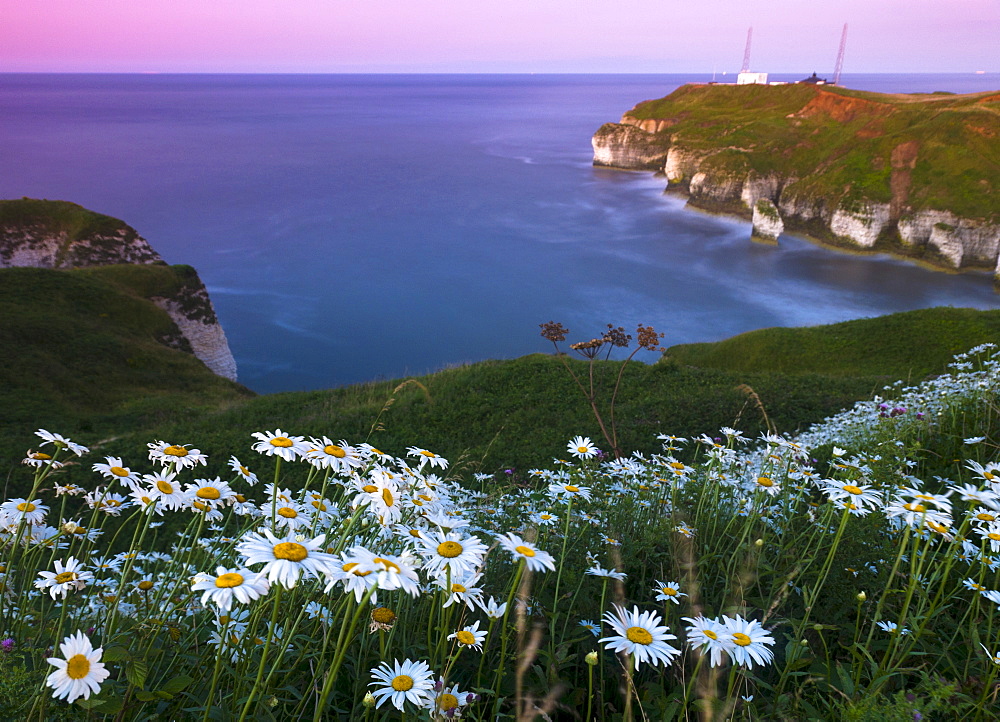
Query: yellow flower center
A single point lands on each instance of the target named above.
(414, 532)
(208, 492)
(741, 639)
(638, 635)
(994, 536)
(465, 637)
(369, 488)
(165, 487)
(282, 442)
(988, 476)
(983, 516)
(676, 465)
(118, 471)
(429, 455)
(291, 551)
(240, 499)
(334, 450)
(77, 667)
(525, 551)
(449, 549)
(851, 489)
(447, 701)
(571, 489)
(287, 512)
(458, 589)
(545, 516)
(319, 505)
(387, 564)
(245, 471)
(40, 456)
(383, 615)
(178, 451)
(351, 566)
(914, 506)
(669, 591)
(64, 577)
(765, 482)
(582, 449)
(145, 585)
(710, 634)
(26, 507)
(229, 580)
(402, 683)
(387, 497)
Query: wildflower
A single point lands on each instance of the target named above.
(401, 682)
(287, 559)
(165, 491)
(493, 609)
(462, 555)
(391, 572)
(427, 457)
(592, 627)
(66, 577)
(248, 476)
(227, 584)
(470, 637)
(80, 673)
(669, 591)
(750, 641)
(640, 635)
(892, 628)
(14, 510)
(582, 447)
(994, 657)
(463, 591)
(211, 492)
(382, 618)
(60, 442)
(180, 457)
(598, 571)
(709, 634)
(536, 559)
(567, 492)
(862, 496)
(277, 444)
(448, 701)
(38, 459)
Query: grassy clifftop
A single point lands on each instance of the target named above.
(925, 152)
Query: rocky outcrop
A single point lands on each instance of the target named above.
(817, 161)
(61, 235)
(627, 147)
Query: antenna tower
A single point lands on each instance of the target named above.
(746, 53)
(840, 56)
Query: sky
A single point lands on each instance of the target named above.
(487, 36)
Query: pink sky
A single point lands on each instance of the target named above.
(495, 36)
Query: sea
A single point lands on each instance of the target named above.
(360, 227)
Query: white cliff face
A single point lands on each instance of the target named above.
(757, 187)
(208, 340)
(767, 223)
(623, 146)
(33, 246)
(862, 225)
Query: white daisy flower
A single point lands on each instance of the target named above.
(462, 555)
(493, 609)
(536, 559)
(14, 510)
(341, 458)
(115, 469)
(80, 672)
(704, 633)
(598, 571)
(409, 681)
(227, 584)
(66, 577)
(640, 635)
(286, 560)
(276, 443)
(470, 637)
(427, 458)
(244, 473)
(582, 447)
(569, 491)
(60, 442)
(180, 456)
(750, 641)
(668, 591)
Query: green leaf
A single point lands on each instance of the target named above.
(114, 654)
(144, 696)
(175, 685)
(136, 671)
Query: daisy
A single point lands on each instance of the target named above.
(462, 555)
(592, 627)
(598, 571)
(569, 491)
(60, 442)
(65, 578)
(391, 572)
(995, 658)
(447, 704)
(427, 458)
(892, 628)
(14, 510)
(862, 496)
(669, 591)
(749, 641)
(38, 459)
(213, 492)
(463, 591)
(639, 635)
(227, 584)
(470, 637)
(115, 469)
(581, 447)
(493, 609)
(341, 458)
(285, 560)
(80, 673)
(536, 559)
(277, 444)
(165, 491)
(180, 456)
(244, 473)
(704, 633)
(411, 681)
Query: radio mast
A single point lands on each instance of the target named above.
(746, 53)
(840, 56)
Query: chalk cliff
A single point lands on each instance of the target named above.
(909, 174)
(61, 235)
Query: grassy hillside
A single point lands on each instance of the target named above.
(907, 345)
(937, 151)
(85, 349)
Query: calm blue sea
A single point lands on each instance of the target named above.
(352, 227)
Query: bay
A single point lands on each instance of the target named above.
(352, 227)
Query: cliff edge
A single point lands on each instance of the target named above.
(62, 235)
(908, 174)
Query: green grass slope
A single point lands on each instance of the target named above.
(84, 349)
(908, 345)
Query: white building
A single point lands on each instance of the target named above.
(751, 79)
